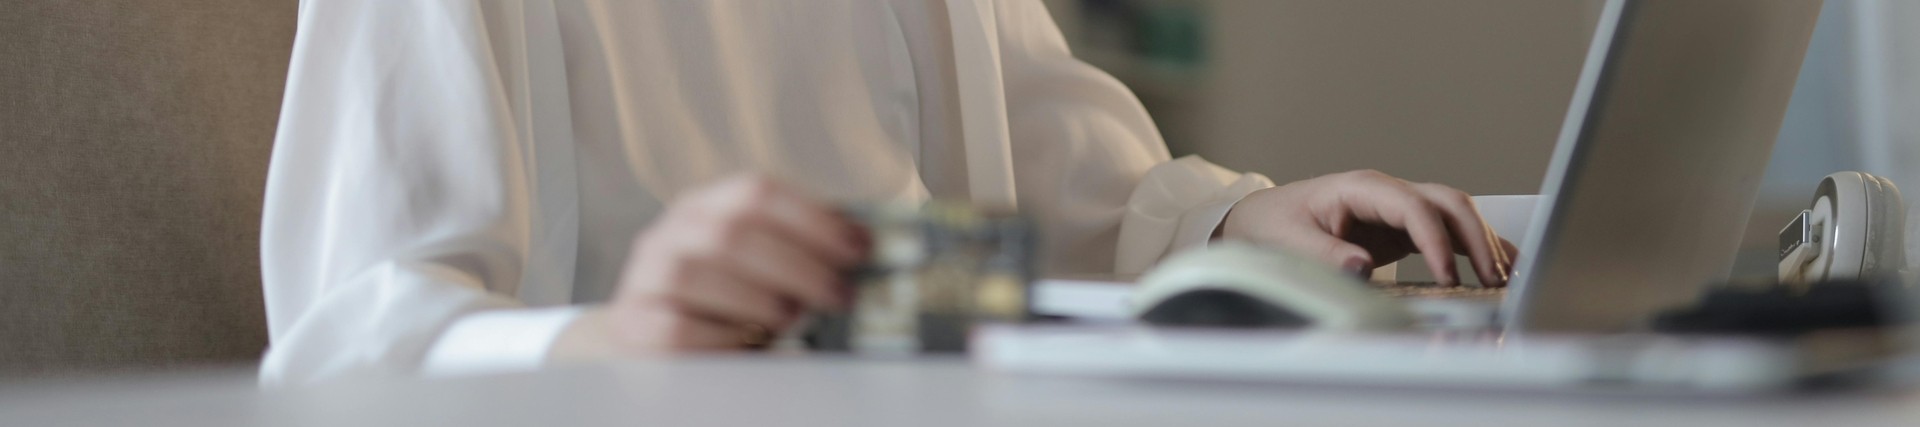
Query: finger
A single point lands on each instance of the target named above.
(1430, 235)
(816, 226)
(1503, 262)
(1470, 234)
(1394, 203)
(1513, 252)
(779, 265)
(1330, 250)
(1506, 251)
(714, 294)
(1513, 258)
(1508, 255)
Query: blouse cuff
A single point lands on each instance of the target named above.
(1178, 204)
(497, 341)
(1197, 226)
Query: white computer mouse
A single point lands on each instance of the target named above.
(1231, 284)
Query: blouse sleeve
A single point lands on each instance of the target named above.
(417, 204)
(1089, 164)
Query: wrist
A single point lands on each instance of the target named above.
(1227, 228)
(590, 337)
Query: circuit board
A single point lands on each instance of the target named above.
(936, 270)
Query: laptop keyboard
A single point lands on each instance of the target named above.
(1436, 290)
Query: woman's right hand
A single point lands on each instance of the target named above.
(724, 267)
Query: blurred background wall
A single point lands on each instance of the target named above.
(134, 138)
(1470, 93)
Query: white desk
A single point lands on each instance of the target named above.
(829, 391)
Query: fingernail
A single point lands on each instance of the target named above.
(1358, 267)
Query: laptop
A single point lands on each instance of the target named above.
(1654, 173)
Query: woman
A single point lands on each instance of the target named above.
(463, 186)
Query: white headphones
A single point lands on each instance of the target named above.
(1855, 230)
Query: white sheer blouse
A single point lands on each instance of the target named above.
(452, 179)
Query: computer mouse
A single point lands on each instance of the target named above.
(1234, 284)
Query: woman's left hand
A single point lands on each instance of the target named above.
(1359, 220)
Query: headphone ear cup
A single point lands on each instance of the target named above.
(1857, 230)
(1885, 252)
(1846, 245)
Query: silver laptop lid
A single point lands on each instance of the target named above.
(1659, 160)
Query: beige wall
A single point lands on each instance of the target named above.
(134, 138)
(1465, 92)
